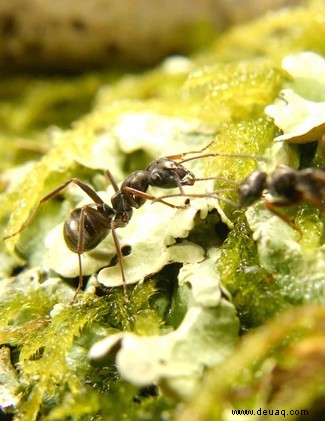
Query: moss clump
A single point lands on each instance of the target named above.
(242, 274)
(28, 106)
(53, 347)
(248, 138)
(235, 91)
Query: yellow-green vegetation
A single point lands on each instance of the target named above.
(55, 129)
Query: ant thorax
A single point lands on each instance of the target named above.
(138, 180)
(124, 211)
(282, 182)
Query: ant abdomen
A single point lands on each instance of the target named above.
(93, 230)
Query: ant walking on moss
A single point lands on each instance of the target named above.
(87, 226)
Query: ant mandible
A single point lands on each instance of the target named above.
(87, 226)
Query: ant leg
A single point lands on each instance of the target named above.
(178, 182)
(213, 195)
(91, 213)
(120, 259)
(79, 251)
(211, 155)
(271, 207)
(130, 191)
(88, 190)
(112, 180)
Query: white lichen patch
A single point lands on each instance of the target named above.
(300, 120)
(175, 65)
(299, 111)
(307, 70)
(205, 293)
(176, 361)
(286, 254)
(151, 235)
(158, 135)
(9, 384)
(277, 242)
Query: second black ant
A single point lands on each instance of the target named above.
(285, 185)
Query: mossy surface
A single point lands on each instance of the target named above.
(270, 270)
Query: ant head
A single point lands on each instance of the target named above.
(166, 173)
(251, 188)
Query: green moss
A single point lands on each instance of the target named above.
(235, 91)
(51, 363)
(251, 137)
(29, 105)
(257, 294)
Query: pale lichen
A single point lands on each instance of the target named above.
(299, 111)
(175, 361)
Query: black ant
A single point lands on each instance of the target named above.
(286, 186)
(88, 225)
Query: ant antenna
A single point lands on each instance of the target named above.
(213, 195)
(226, 180)
(111, 179)
(181, 155)
(254, 157)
